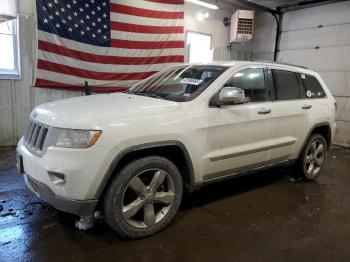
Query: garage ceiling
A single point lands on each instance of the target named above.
(268, 3)
(274, 3)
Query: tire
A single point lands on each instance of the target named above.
(143, 197)
(311, 160)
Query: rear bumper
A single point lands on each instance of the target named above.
(78, 207)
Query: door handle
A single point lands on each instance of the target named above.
(264, 111)
(306, 106)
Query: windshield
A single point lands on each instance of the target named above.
(180, 83)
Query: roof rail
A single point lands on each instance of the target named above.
(279, 63)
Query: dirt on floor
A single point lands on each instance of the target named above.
(268, 216)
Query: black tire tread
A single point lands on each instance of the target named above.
(299, 165)
(116, 189)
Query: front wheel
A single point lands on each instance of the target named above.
(144, 197)
(311, 161)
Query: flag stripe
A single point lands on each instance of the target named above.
(99, 67)
(146, 37)
(69, 70)
(150, 5)
(172, 2)
(112, 44)
(146, 45)
(47, 37)
(47, 83)
(75, 80)
(129, 10)
(123, 18)
(106, 59)
(146, 29)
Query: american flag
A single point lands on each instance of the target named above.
(111, 44)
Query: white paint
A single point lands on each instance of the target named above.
(202, 3)
(301, 34)
(130, 120)
(18, 98)
(8, 9)
(262, 45)
(200, 47)
(212, 25)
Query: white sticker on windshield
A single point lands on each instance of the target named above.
(191, 81)
(302, 76)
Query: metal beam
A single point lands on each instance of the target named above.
(279, 18)
(276, 13)
(307, 4)
(257, 6)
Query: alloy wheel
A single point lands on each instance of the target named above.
(148, 198)
(315, 157)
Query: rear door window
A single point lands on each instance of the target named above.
(313, 88)
(286, 85)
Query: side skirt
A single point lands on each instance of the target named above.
(235, 174)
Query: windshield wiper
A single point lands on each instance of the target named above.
(147, 93)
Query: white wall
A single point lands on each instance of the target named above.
(263, 43)
(213, 25)
(302, 33)
(18, 97)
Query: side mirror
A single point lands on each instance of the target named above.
(231, 96)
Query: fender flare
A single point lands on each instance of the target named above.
(310, 132)
(135, 148)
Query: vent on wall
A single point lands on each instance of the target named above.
(242, 26)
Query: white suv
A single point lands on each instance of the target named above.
(132, 154)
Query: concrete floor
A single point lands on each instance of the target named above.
(267, 216)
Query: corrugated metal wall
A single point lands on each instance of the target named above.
(17, 97)
(302, 33)
(319, 38)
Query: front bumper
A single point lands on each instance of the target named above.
(82, 172)
(79, 207)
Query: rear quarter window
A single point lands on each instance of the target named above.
(313, 88)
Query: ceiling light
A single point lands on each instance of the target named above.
(200, 17)
(202, 3)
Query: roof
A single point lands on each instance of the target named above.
(255, 62)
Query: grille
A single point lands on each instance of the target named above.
(245, 26)
(35, 136)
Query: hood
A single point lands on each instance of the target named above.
(94, 112)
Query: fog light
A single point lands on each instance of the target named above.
(57, 179)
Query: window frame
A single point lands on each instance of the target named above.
(198, 33)
(268, 92)
(273, 87)
(16, 73)
(195, 94)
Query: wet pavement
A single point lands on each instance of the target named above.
(268, 216)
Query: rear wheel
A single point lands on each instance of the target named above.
(311, 161)
(144, 197)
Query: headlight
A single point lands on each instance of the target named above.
(77, 138)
